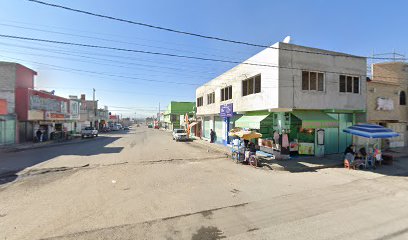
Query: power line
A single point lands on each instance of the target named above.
(109, 40)
(192, 34)
(149, 52)
(131, 50)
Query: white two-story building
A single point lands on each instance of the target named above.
(308, 94)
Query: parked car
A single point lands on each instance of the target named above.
(180, 135)
(89, 132)
(115, 128)
(126, 128)
(150, 125)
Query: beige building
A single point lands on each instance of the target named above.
(387, 99)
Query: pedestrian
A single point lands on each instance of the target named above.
(39, 135)
(212, 136)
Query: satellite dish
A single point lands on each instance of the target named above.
(287, 39)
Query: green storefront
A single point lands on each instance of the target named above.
(262, 121)
(310, 132)
(174, 111)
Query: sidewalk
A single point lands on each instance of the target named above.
(294, 164)
(31, 145)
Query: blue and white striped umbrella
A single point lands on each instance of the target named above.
(371, 131)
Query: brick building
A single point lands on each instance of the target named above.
(387, 99)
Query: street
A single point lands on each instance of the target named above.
(143, 185)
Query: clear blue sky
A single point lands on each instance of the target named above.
(355, 27)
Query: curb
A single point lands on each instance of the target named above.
(51, 144)
(274, 165)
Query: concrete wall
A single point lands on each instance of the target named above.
(281, 87)
(292, 63)
(378, 89)
(8, 84)
(266, 99)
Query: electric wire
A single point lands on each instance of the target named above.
(194, 34)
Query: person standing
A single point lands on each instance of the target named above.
(212, 136)
(39, 135)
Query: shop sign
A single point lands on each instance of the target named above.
(35, 115)
(113, 117)
(54, 116)
(226, 110)
(385, 104)
(39, 103)
(306, 148)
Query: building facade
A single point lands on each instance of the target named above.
(12, 77)
(44, 111)
(171, 117)
(288, 91)
(387, 99)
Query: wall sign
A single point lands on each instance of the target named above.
(226, 110)
(385, 104)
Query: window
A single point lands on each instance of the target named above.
(211, 98)
(349, 84)
(342, 83)
(320, 82)
(403, 98)
(356, 85)
(251, 85)
(312, 81)
(226, 93)
(199, 101)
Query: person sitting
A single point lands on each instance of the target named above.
(362, 152)
(349, 149)
(251, 147)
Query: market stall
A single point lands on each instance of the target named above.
(371, 132)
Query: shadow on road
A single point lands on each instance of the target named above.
(12, 163)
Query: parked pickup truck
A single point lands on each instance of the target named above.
(89, 132)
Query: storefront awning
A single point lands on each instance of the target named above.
(251, 121)
(315, 119)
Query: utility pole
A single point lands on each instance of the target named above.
(159, 113)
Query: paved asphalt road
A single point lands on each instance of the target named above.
(143, 185)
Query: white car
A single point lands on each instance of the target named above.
(180, 135)
(89, 132)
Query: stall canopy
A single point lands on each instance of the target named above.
(371, 131)
(251, 120)
(315, 119)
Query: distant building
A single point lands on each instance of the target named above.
(387, 99)
(171, 117)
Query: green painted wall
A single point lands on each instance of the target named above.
(7, 130)
(177, 109)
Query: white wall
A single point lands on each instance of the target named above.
(266, 99)
(281, 87)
